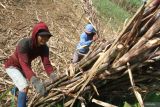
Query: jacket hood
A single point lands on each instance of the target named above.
(38, 27)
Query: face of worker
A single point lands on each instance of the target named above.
(91, 34)
(42, 40)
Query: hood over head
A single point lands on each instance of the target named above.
(40, 28)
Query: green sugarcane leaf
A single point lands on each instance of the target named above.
(5, 93)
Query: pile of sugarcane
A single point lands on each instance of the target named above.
(129, 62)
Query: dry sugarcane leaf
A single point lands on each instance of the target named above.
(104, 104)
(138, 96)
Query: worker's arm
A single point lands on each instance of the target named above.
(84, 41)
(50, 70)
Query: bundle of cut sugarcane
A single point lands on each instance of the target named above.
(117, 65)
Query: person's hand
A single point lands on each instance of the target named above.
(54, 76)
(40, 88)
(94, 38)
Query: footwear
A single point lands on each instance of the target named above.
(14, 91)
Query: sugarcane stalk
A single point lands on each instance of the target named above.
(149, 34)
(133, 30)
(138, 96)
(103, 103)
(130, 23)
(56, 83)
(136, 51)
(148, 24)
(37, 101)
(92, 55)
(70, 81)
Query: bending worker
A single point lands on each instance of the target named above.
(18, 65)
(86, 39)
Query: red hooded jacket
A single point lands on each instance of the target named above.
(27, 50)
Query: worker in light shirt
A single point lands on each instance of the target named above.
(86, 39)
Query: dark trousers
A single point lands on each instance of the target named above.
(77, 57)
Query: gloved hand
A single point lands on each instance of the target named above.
(54, 76)
(40, 88)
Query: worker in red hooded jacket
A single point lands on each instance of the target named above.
(18, 65)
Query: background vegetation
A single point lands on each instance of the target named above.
(115, 12)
